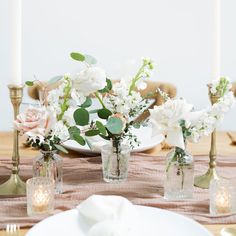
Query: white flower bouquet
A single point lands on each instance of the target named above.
(119, 102)
(180, 123)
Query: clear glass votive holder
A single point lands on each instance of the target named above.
(222, 197)
(40, 195)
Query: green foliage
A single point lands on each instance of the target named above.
(29, 83)
(79, 139)
(90, 59)
(81, 117)
(115, 125)
(94, 111)
(107, 88)
(92, 132)
(60, 148)
(83, 58)
(66, 97)
(55, 79)
(186, 132)
(101, 128)
(104, 113)
(77, 56)
(87, 103)
(73, 130)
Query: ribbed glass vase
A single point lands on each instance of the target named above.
(179, 175)
(49, 164)
(115, 161)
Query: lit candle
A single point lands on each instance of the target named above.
(16, 41)
(217, 40)
(40, 200)
(223, 203)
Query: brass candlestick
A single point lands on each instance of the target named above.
(14, 186)
(203, 181)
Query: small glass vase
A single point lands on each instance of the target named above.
(115, 161)
(49, 164)
(179, 179)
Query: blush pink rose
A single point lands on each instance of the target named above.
(35, 121)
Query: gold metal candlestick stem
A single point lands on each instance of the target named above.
(14, 186)
(203, 181)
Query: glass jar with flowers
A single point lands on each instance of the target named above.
(45, 127)
(178, 121)
(120, 104)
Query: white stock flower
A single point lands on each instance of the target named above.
(89, 80)
(69, 116)
(61, 131)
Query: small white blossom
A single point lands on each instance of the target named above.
(61, 131)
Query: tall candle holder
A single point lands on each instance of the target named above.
(14, 185)
(203, 181)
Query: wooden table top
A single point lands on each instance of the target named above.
(202, 148)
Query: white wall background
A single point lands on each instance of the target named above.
(177, 34)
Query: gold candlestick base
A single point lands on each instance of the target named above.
(14, 186)
(203, 181)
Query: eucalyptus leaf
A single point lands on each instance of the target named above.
(93, 132)
(73, 130)
(115, 125)
(55, 79)
(104, 113)
(94, 111)
(81, 117)
(29, 83)
(88, 143)
(77, 56)
(101, 127)
(79, 139)
(107, 88)
(60, 148)
(87, 103)
(90, 59)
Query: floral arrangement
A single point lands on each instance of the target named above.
(46, 126)
(120, 103)
(180, 123)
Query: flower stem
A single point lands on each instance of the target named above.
(99, 99)
(135, 79)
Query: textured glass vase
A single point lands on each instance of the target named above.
(179, 175)
(49, 164)
(115, 161)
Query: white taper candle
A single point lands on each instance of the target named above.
(217, 39)
(16, 42)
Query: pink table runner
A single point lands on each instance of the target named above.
(83, 177)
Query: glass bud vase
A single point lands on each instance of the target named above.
(179, 175)
(49, 164)
(115, 161)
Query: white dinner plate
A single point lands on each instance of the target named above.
(144, 135)
(150, 221)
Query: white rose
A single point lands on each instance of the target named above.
(166, 118)
(89, 80)
(35, 122)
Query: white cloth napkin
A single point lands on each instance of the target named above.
(109, 215)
